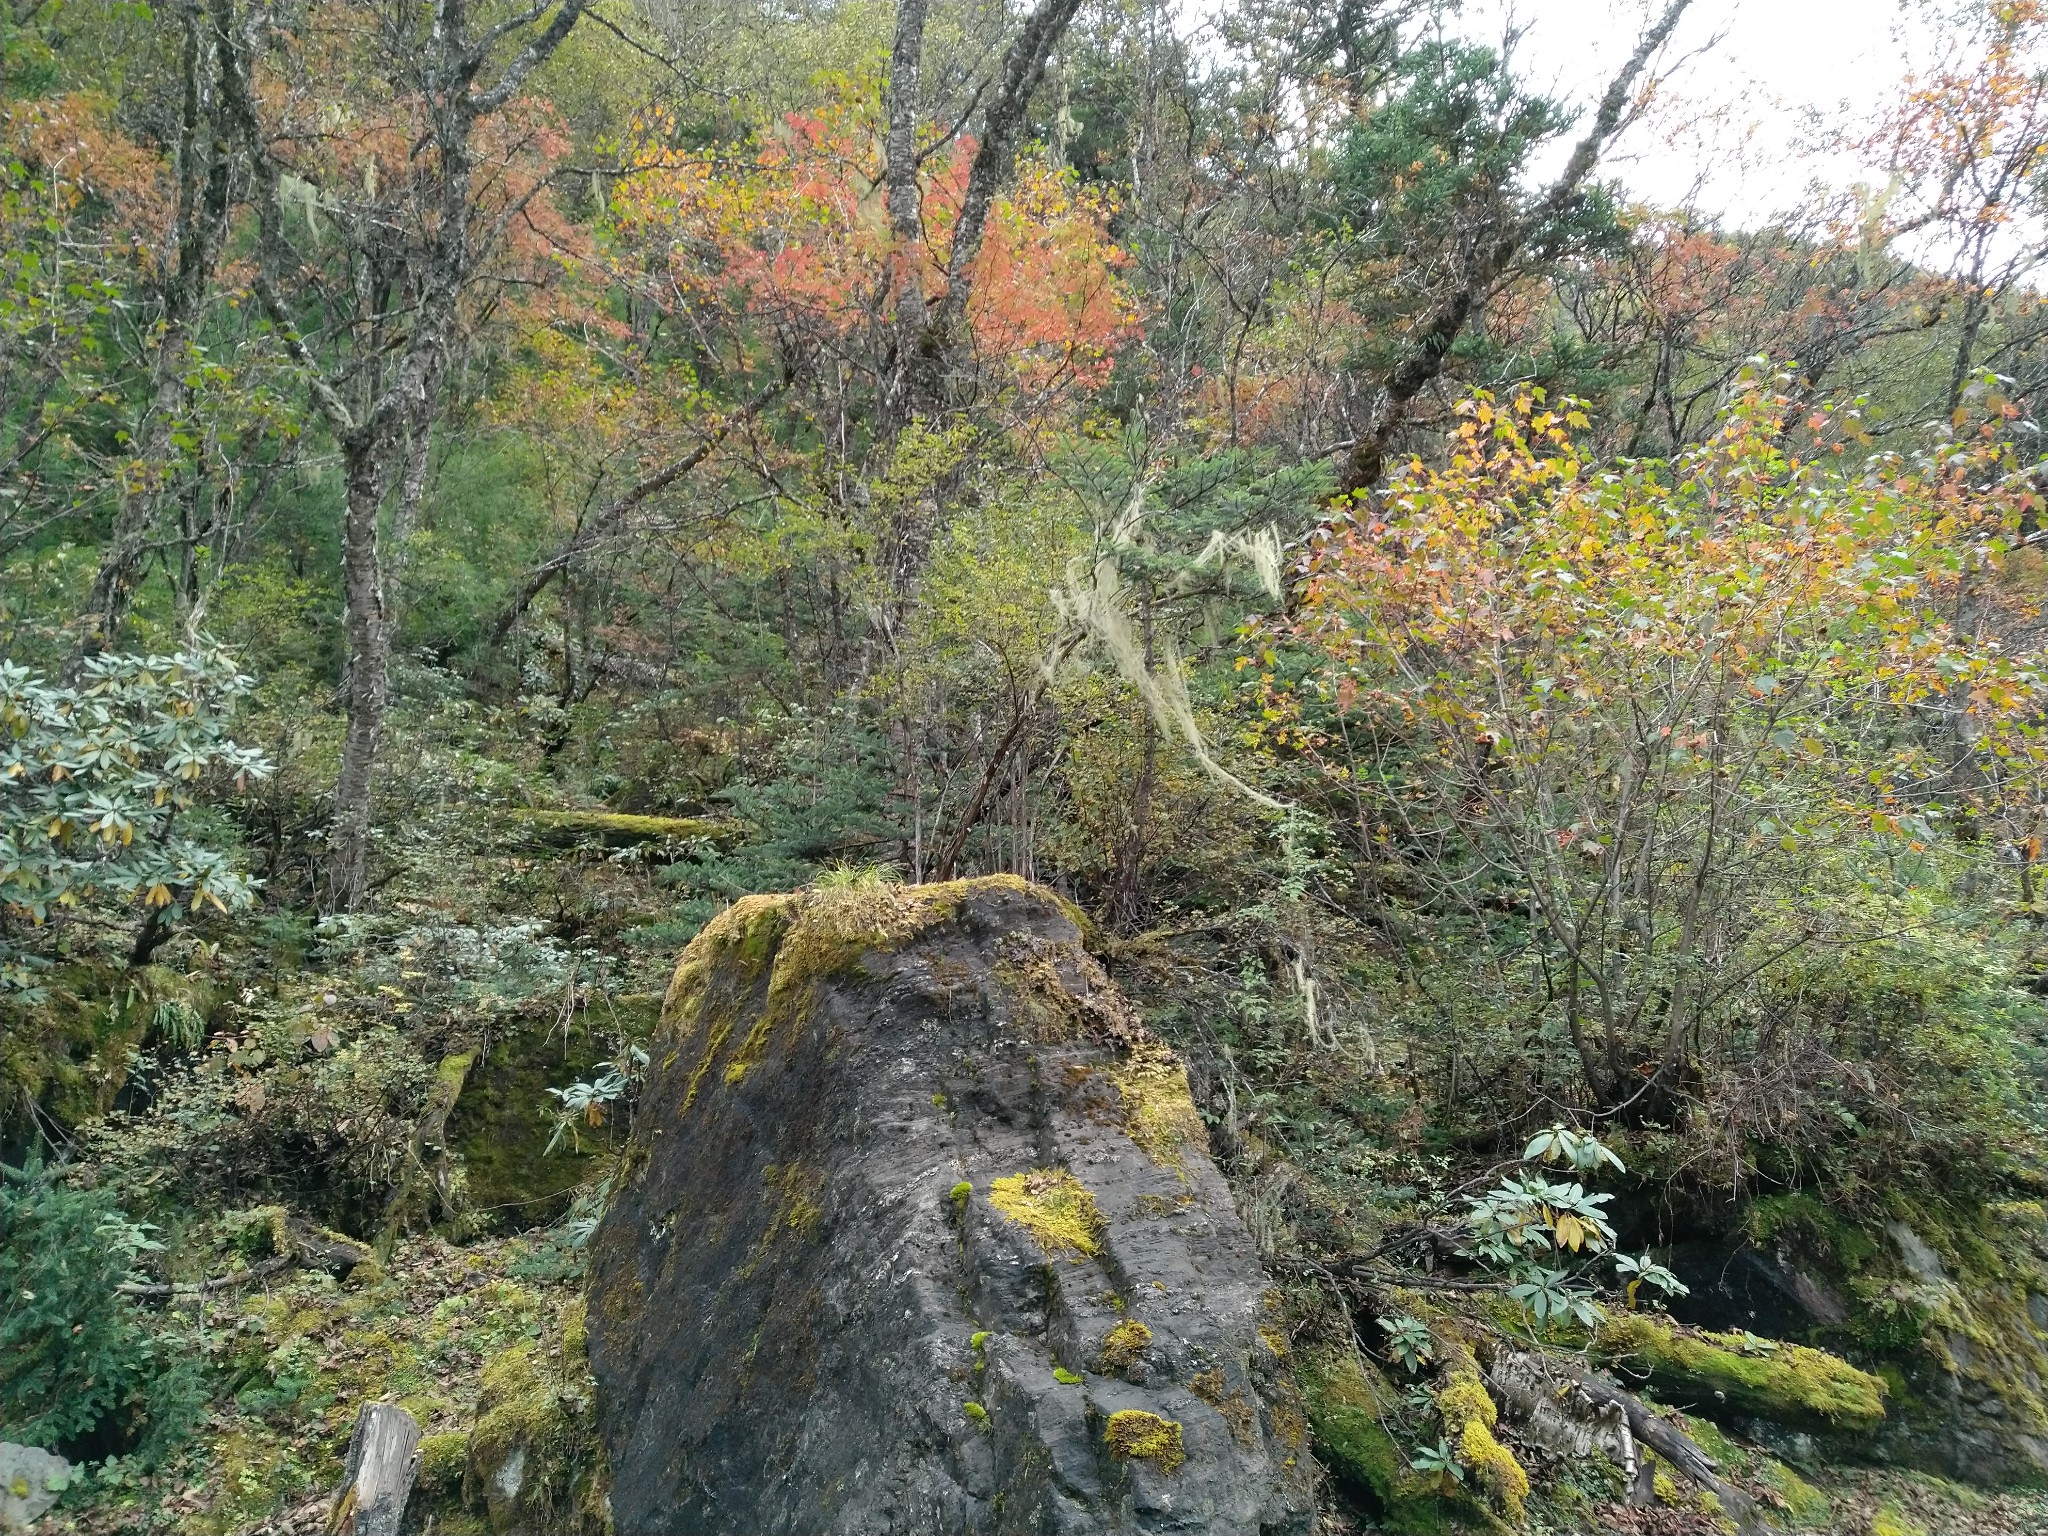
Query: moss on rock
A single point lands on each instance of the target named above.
(534, 1461)
(500, 1128)
(1055, 1208)
(1135, 1435)
(443, 1460)
(1349, 1408)
(1159, 1113)
(760, 961)
(1716, 1372)
(1121, 1349)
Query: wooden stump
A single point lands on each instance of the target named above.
(383, 1459)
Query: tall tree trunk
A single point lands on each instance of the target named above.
(425, 294)
(367, 627)
(1488, 261)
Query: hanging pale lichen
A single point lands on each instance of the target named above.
(1096, 603)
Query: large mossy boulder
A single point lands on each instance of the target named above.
(918, 1233)
(1947, 1303)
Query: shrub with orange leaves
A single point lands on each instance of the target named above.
(1668, 718)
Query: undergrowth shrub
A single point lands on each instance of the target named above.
(83, 1372)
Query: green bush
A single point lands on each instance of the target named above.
(97, 783)
(77, 1351)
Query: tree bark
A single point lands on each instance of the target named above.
(425, 294)
(383, 1460)
(906, 205)
(366, 626)
(199, 220)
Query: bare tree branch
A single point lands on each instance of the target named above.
(595, 529)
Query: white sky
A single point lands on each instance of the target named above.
(1734, 130)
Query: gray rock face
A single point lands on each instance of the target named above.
(918, 1234)
(30, 1482)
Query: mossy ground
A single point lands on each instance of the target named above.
(536, 1418)
(291, 1362)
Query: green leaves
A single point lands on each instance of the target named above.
(75, 1350)
(94, 778)
(1581, 1149)
(1409, 1341)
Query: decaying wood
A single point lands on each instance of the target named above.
(428, 1173)
(308, 1245)
(1674, 1445)
(383, 1460)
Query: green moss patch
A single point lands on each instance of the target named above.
(1055, 1208)
(501, 1125)
(1159, 1113)
(1121, 1349)
(718, 992)
(1350, 1411)
(1135, 1435)
(534, 1460)
(1713, 1372)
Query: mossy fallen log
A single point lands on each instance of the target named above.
(617, 829)
(1734, 1375)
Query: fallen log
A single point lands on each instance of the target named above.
(1675, 1446)
(307, 1245)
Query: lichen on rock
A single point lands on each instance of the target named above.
(921, 1189)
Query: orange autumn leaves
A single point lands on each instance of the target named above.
(792, 231)
(1544, 606)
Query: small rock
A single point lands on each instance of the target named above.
(30, 1481)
